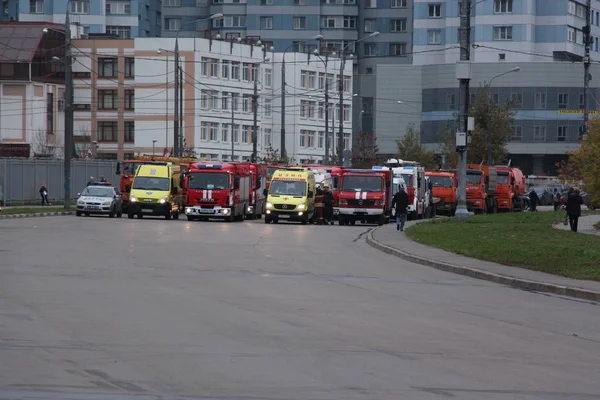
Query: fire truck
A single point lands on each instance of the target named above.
(258, 179)
(216, 190)
(335, 173)
(365, 195)
(271, 168)
(126, 171)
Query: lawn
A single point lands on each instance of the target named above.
(597, 226)
(31, 210)
(518, 239)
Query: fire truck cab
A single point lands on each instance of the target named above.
(258, 181)
(418, 187)
(365, 195)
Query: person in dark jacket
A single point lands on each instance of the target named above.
(400, 202)
(533, 199)
(574, 202)
(44, 194)
(328, 202)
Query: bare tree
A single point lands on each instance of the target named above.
(83, 145)
(43, 144)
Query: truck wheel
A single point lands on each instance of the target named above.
(190, 218)
(353, 222)
(140, 215)
(130, 215)
(176, 215)
(168, 215)
(78, 213)
(381, 220)
(267, 220)
(341, 220)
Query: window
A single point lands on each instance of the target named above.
(321, 110)
(581, 101)
(308, 79)
(577, 9)
(347, 83)
(539, 133)
(246, 101)
(245, 136)
(451, 101)
(234, 21)
(235, 101)
(107, 131)
(36, 6)
(204, 130)
(370, 3)
(225, 65)
(108, 99)
(246, 72)
(268, 78)
(204, 99)
(129, 67)
(434, 36)
(213, 132)
(172, 24)
(398, 25)
(321, 140)
(503, 6)
(346, 112)
(299, 2)
(50, 113)
(235, 133)
(517, 135)
(123, 32)
(516, 100)
(398, 3)
(235, 70)
(540, 100)
(563, 100)
(370, 49)
(268, 137)
(398, 49)
(571, 34)
(503, 33)
(267, 108)
(107, 67)
(129, 132)
(266, 2)
(561, 134)
(266, 23)
(80, 7)
(118, 7)
(299, 23)
(172, 3)
(349, 22)
(213, 99)
(435, 11)
(370, 25)
(129, 99)
(225, 133)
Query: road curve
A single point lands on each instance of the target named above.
(95, 308)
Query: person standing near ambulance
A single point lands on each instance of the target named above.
(328, 201)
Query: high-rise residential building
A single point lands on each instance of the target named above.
(124, 18)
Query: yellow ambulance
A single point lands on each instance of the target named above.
(291, 196)
(156, 191)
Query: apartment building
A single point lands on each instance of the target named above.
(125, 90)
(124, 18)
(31, 89)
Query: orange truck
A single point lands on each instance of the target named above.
(481, 189)
(510, 189)
(444, 186)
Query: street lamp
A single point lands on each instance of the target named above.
(283, 151)
(255, 109)
(489, 112)
(333, 121)
(341, 94)
(178, 142)
(316, 52)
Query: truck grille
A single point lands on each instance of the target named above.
(287, 207)
(361, 203)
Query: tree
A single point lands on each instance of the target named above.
(495, 118)
(409, 148)
(365, 152)
(273, 157)
(43, 144)
(583, 163)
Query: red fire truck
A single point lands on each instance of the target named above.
(335, 173)
(365, 195)
(216, 190)
(258, 181)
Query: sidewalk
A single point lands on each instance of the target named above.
(585, 225)
(387, 239)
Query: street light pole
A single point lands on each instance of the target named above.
(255, 110)
(489, 116)
(326, 158)
(68, 109)
(282, 137)
(177, 124)
(232, 122)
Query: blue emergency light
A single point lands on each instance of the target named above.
(377, 167)
(100, 184)
(329, 171)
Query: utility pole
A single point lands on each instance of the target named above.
(463, 73)
(326, 112)
(232, 127)
(587, 38)
(181, 136)
(341, 121)
(68, 109)
(255, 111)
(176, 100)
(282, 136)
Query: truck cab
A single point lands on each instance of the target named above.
(155, 191)
(256, 204)
(443, 187)
(481, 189)
(510, 189)
(291, 196)
(365, 195)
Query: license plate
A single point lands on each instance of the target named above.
(93, 207)
(359, 211)
(147, 210)
(284, 216)
(206, 211)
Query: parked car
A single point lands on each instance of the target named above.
(100, 198)
(545, 195)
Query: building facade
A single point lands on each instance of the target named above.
(124, 18)
(125, 90)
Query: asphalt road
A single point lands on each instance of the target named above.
(92, 308)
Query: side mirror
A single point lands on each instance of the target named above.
(128, 188)
(430, 185)
(78, 194)
(118, 170)
(265, 192)
(310, 193)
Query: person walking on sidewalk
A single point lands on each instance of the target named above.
(400, 202)
(44, 194)
(574, 202)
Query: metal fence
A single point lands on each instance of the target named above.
(21, 178)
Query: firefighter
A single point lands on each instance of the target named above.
(319, 205)
(328, 200)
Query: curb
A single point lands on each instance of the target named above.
(33, 215)
(487, 276)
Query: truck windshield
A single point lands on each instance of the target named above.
(291, 188)
(148, 183)
(502, 178)
(362, 183)
(271, 171)
(441, 181)
(208, 180)
(473, 178)
(129, 168)
(408, 179)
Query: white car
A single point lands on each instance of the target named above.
(100, 199)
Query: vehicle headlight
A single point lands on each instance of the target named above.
(164, 200)
(269, 205)
(132, 199)
(107, 203)
(379, 202)
(301, 206)
(80, 202)
(343, 202)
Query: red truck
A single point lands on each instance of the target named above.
(335, 173)
(365, 195)
(481, 189)
(258, 181)
(443, 187)
(510, 189)
(216, 190)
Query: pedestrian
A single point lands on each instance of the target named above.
(328, 202)
(574, 202)
(533, 199)
(102, 179)
(319, 205)
(400, 202)
(91, 181)
(44, 194)
(556, 199)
